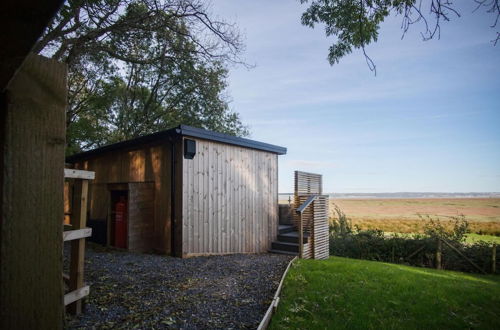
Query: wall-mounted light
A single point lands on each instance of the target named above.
(189, 148)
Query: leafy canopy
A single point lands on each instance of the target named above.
(140, 66)
(356, 23)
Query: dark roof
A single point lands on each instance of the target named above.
(182, 130)
(22, 22)
(229, 139)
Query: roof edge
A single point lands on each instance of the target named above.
(183, 130)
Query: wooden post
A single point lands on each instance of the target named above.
(301, 237)
(78, 221)
(494, 259)
(439, 253)
(464, 256)
(32, 135)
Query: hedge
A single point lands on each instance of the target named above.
(414, 250)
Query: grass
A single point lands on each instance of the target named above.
(416, 226)
(473, 238)
(475, 209)
(469, 238)
(341, 293)
(402, 215)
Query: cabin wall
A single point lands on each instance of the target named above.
(146, 164)
(229, 200)
(141, 216)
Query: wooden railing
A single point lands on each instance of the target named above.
(299, 211)
(77, 234)
(311, 215)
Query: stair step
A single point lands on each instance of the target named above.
(285, 246)
(283, 229)
(283, 252)
(292, 237)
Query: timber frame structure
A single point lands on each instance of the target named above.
(303, 226)
(188, 192)
(76, 232)
(32, 133)
(311, 215)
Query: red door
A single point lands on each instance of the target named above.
(121, 223)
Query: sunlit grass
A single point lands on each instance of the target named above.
(474, 238)
(417, 226)
(469, 238)
(402, 215)
(341, 293)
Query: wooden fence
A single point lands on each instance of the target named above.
(311, 215)
(439, 254)
(76, 233)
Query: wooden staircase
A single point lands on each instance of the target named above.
(307, 218)
(288, 240)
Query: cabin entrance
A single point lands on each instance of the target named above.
(118, 227)
(131, 216)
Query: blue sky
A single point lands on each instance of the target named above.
(429, 120)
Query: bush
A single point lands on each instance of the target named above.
(415, 250)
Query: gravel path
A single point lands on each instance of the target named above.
(131, 290)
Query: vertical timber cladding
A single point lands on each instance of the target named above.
(141, 216)
(305, 185)
(146, 170)
(321, 245)
(33, 135)
(230, 200)
(315, 217)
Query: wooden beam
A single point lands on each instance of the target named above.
(301, 237)
(32, 138)
(463, 255)
(22, 23)
(177, 217)
(79, 220)
(65, 278)
(71, 235)
(276, 299)
(76, 295)
(78, 174)
(439, 249)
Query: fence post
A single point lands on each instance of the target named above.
(439, 253)
(301, 237)
(79, 221)
(494, 259)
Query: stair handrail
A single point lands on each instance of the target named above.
(299, 211)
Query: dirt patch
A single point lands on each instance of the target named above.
(130, 290)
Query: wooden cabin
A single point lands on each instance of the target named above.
(187, 192)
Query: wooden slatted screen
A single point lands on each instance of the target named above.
(315, 217)
(320, 242)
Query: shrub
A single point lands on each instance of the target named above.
(416, 250)
(434, 228)
(340, 226)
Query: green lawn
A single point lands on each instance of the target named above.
(473, 238)
(341, 293)
(469, 238)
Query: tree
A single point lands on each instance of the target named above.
(355, 23)
(139, 66)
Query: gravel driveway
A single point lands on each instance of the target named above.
(131, 290)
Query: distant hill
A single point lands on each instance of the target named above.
(406, 195)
